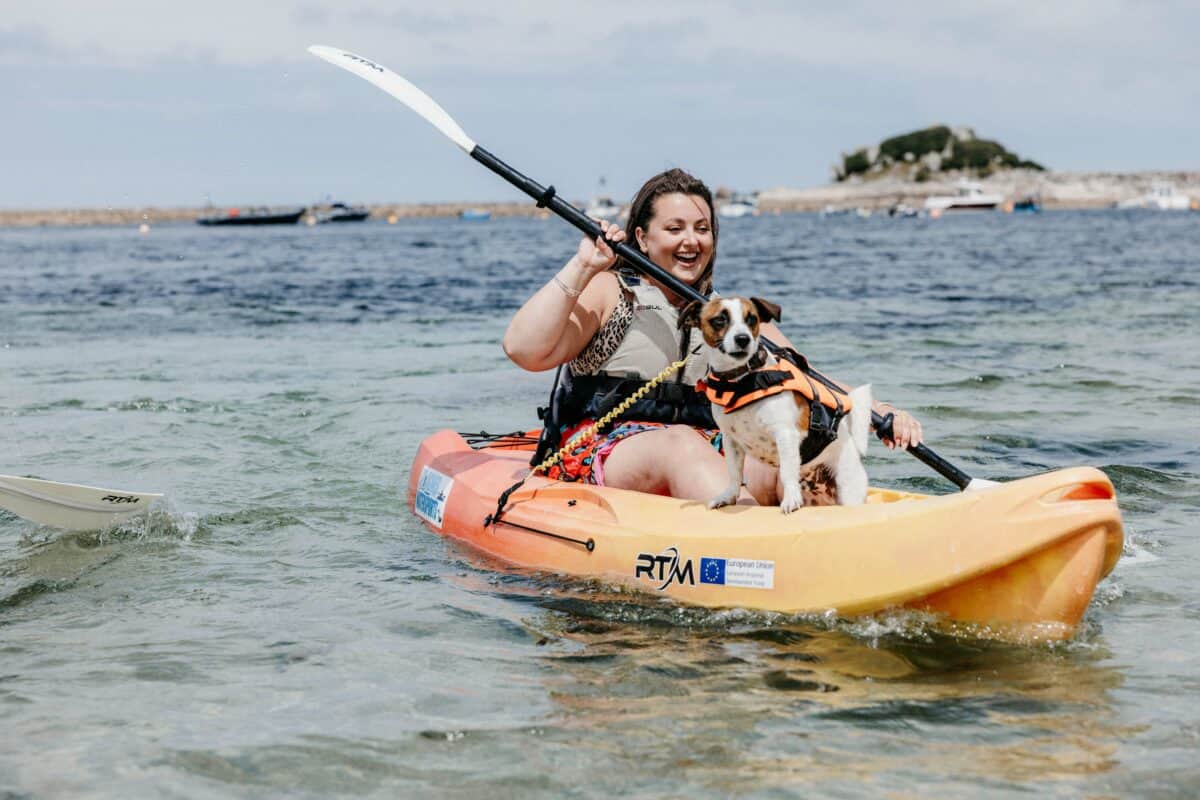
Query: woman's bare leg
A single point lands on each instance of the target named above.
(674, 461)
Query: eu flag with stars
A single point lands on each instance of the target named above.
(712, 570)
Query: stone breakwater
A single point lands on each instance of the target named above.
(149, 216)
(1061, 190)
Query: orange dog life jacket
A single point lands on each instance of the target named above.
(827, 404)
(768, 380)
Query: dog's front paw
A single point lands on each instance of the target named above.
(793, 499)
(725, 498)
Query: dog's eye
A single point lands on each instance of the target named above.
(718, 322)
(751, 319)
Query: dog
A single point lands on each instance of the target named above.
(774, 424)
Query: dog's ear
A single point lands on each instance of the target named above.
(767, 310)
(689, 317)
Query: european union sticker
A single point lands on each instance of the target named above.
(712, 570)
(748, 573)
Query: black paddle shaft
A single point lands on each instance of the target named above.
(547, 198)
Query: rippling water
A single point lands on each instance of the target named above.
(284, 626)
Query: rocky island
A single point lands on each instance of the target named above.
(909, 168)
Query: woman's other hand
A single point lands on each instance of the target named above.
(906, 430)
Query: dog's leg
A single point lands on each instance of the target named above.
(735, 462)
(787, 443)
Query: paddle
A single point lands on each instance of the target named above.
(435, 115)
(68, 505)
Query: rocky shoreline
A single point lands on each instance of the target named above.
(1056, 190)
(13, 218)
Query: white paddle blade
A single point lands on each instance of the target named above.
(398, 88)
(980, 483)
(69, 505)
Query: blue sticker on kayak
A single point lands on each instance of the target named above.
(433, 489)
(747, 573)
(712, 570)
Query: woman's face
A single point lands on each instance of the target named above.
(679, 236)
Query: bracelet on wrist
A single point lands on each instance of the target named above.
(567, 290)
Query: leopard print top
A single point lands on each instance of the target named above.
(606, 340)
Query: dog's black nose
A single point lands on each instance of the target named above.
(742, 340)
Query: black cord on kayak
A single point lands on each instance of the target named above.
(587, 544)
(494, 517)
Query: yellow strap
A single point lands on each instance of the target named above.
(590, 431)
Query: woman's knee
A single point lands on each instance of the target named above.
(684, 440)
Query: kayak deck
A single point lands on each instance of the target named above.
(1017, 562)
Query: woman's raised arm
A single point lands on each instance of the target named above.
(557, 322)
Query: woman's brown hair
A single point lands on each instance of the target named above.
(641, 211)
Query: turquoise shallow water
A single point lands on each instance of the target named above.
(284, 626)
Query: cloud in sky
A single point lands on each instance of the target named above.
(131, 102)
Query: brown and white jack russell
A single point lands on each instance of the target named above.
(772, 426)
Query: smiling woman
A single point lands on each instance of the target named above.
(613, 331)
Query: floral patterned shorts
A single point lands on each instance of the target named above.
(584, 462)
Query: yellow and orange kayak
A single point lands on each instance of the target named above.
(1018, 561)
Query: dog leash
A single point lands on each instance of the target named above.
(586, 435)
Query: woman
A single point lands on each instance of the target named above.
(616, 330)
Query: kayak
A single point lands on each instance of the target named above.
(1017, 562)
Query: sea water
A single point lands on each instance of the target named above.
(284, 626)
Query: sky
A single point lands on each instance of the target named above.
(135, 103)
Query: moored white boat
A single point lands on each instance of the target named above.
(603, 207)
(1161, 197)
(340, 212)
(740, 205)
(970, 197)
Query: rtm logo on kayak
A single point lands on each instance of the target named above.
(120, 498)
(665, 568)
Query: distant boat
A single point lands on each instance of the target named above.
(603, 207)
(902, 210)
(970, 197)
(1031, 203)
(475, 214)
(740, 205)
(1161, 197)
(340, 212)
(254, 216)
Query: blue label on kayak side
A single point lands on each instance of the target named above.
(433, 489)
(712, 570)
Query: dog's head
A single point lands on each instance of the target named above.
(730, 326)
